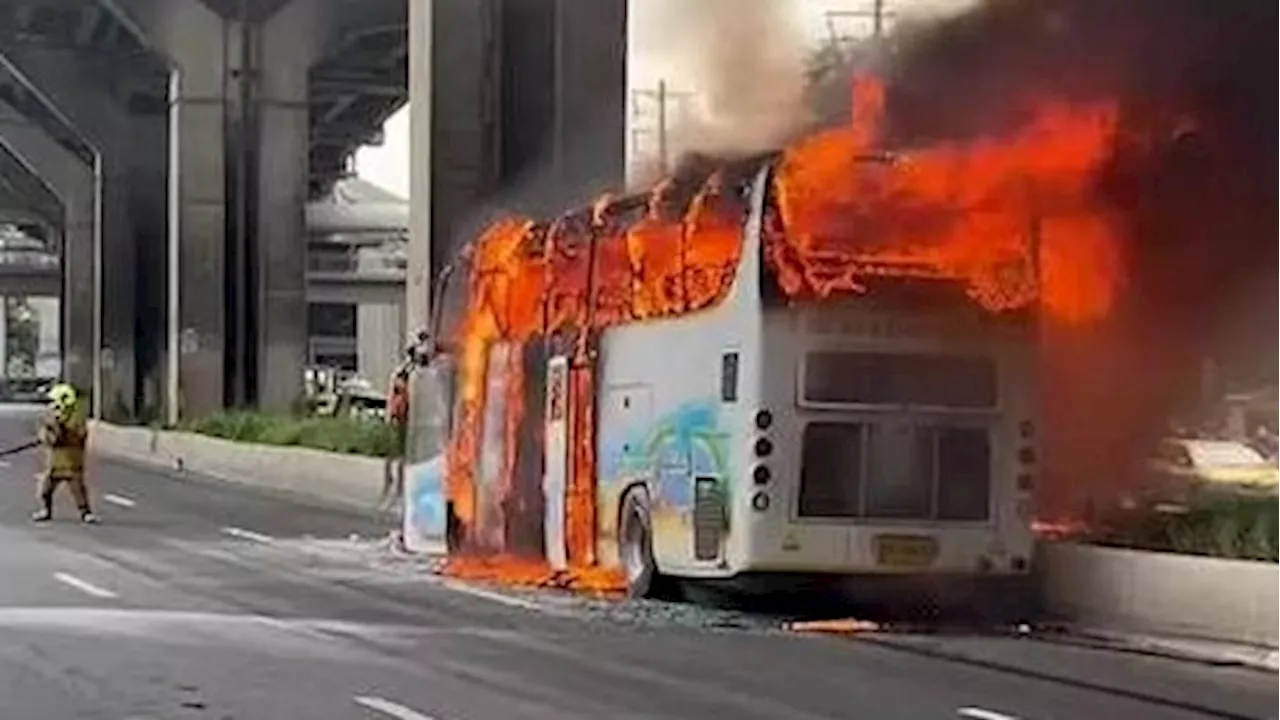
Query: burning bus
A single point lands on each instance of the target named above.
(885, 433)
(820, 361)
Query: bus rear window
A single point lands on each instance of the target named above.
(899, 379)
(964, 473)
(831, 470)
(895, 471)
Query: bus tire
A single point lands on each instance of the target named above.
(635, 545)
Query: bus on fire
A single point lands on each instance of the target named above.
(882, 433)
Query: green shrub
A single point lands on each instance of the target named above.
(1243, 528)
(354, 436)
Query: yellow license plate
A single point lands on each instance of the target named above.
(905, 550)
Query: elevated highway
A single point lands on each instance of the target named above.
(170, 146)
(203, 128)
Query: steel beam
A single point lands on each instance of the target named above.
(24, 193)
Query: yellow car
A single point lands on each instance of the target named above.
(1185, 472)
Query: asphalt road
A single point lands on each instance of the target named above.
(194, 600)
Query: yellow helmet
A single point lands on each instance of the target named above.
(63, 397)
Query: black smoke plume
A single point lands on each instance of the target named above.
(1193, 178)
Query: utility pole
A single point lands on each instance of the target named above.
(663, 160)
(662, 98)
(877, 13)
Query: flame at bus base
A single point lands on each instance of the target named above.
(533, 573)
(1011, 217)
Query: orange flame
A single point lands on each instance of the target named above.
(527, 572)
(993, 212)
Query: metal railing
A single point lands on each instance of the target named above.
(31, 259)
(356, 262)
(331, 345)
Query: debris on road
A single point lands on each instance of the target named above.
(836, 626)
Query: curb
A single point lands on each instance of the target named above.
(176, 471)
(1208, 653)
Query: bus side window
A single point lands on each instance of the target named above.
(729, 377)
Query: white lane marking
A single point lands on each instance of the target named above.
(389, 708)
(84, 587)
(120, 500)
(977, 713)
(494, 596)
(243, 534)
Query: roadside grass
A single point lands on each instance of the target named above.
(355, 436)
(1241, 528)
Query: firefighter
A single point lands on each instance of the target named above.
(63, 433)
(417, 355)
(398, 417)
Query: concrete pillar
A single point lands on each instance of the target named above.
(426, 429)
(456, 97)
(196, 242)
(418, 277)
(238, 148)
(289, 42)
(4, 338)
(49, 339)
(116, 287)
(590, 97)
(73, 181)
(75, 89)
(148, 207)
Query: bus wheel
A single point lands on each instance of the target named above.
(635, 545)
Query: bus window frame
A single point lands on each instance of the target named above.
(889, 408)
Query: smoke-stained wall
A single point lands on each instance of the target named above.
(529, 110)
(148, 208)
(526, 57)
(591, 96)
(463, 121)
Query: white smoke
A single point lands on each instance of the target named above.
(735, 71)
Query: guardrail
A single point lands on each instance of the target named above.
(1158, 593)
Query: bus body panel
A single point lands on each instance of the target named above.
(670, 422)
(782, 539)
(667, 424)
(663, 424)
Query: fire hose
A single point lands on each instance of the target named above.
(19, 448)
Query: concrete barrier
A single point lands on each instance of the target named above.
(1134, 591)
(326, 478)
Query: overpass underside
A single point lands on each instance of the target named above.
(170, 146)
(181, 140)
